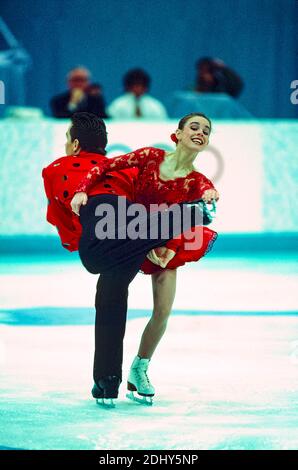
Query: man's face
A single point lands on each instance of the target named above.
(205, 73)
(138, 89)
(71, 148)
(78, 81)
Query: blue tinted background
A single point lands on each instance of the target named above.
(255, 37)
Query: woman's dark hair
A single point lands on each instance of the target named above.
(90, 131)
(183, 121)
(136, 77)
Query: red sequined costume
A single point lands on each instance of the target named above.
(151, 189)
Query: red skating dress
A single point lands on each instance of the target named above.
(151, 189)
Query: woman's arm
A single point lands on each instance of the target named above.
(202, 188)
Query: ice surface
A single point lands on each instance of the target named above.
(222, 381)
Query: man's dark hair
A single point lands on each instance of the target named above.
(90, 130)
(136, 77)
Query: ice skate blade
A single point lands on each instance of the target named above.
(105, 402)
(148, 401)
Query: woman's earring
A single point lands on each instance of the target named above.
(174, 138)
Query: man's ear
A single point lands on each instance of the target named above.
(76, 145)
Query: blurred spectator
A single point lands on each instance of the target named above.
(135, 102)
(79, 97)
(94, 89)
(213, 76)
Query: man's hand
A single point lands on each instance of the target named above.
(209, 195)
(78, 200)
(161, 256)
(76, 96)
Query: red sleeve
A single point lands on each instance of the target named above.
(60, 217)
(202, 184)
(133, 159)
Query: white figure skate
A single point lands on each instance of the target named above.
(139, 382)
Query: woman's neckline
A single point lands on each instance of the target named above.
(172, 179)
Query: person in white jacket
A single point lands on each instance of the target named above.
(136, 102)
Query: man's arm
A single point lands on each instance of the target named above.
(60, 217)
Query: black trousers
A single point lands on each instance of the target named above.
(118, 261)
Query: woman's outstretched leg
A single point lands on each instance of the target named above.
(119, 249)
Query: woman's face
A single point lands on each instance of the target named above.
(195, 133)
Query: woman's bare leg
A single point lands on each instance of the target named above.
(164, 289)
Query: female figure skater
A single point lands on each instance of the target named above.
(168, 177)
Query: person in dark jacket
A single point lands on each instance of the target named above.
(78, 98)
(214, 76)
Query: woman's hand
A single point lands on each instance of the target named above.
(209, 195)
(78, 200)
(161, 256)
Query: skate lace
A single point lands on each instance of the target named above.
(142, 375)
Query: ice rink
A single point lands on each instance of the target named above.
(225, 372)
